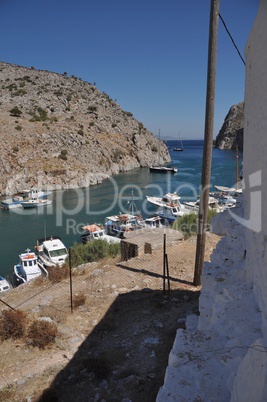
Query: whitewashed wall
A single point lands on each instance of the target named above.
(222, 354)
(251, 378)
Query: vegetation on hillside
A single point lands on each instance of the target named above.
(188, 224)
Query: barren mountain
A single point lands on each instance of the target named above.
(61, 132)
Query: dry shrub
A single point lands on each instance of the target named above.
(7, 392)
(78, 300)
(13, 324)
(55, 314)
(58, 273)
(42, 333)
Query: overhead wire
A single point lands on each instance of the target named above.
(227, 30)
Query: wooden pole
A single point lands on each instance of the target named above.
(71, 298)
(164, 262)
(236, 167)
(208, 141)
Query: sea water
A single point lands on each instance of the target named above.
(71, 209)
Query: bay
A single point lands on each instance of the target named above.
(71, 209)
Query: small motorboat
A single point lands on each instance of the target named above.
(95, 232)
(163, 169)
(36, 202)
(51, 252)
(4, 284)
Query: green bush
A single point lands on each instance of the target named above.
(188, 224)
(15, 112)
(93, 251)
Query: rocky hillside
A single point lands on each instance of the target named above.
(231, 132)
(61, 132)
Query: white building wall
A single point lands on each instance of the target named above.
(222, 354)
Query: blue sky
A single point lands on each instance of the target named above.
(148, 55)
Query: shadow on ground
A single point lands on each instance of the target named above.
(125, 357)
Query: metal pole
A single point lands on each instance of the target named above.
(208, 141)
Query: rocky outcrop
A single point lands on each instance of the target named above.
(231, 133)
(61, 132)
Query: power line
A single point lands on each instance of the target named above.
(227, 30)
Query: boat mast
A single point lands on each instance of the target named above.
(237, 168)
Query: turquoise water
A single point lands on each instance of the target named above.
(71, 209)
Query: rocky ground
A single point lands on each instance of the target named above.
(115, 346)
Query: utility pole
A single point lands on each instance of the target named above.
(208, 141)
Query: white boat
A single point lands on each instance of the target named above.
(224, 199)
(27, 269)
(35, 203)
(179, 148)
(167, 199)
(163, 169)
(95, 232)
(25, 195)
(170, 206)
(117, 225)
(51, 252)
(213, 205)
(4, 284)
(153, 223)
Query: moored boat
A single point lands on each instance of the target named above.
(170, 206)
(35, 203)
(213, 205)
(163, 169)
(16, 200)
(27, 269)
(95, 232)
(4, 284)
(117, 225)
(51, 252)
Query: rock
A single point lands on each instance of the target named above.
(60, 132)
(231, 133)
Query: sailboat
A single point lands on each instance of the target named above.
(162, 169)
(179, 148)
(239, 180)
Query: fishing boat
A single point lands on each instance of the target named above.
(51, 252)
(168, 214)
(16, 200)
(4, 284)
(162, 169)
(35, 203)
(117, 225)
(153, 223)
(95, 232)
(27, 269)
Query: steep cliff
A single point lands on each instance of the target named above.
(231, 133)
(61, 132)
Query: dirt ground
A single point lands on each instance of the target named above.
(115, 346)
